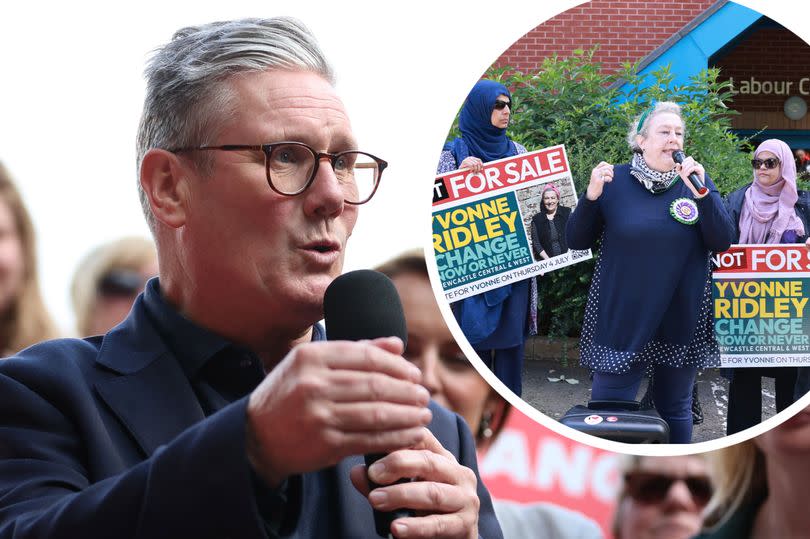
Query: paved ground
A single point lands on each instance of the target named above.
(555, 398)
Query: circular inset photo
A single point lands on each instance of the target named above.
(620, 224)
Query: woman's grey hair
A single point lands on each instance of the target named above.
(646, 117)
(187, 95)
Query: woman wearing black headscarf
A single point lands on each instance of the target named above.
(495, 322)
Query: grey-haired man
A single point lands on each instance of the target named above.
(216, 409)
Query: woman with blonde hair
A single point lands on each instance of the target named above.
(107, 282)
(762, 484)
(24, 319)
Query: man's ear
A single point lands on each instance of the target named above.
(164, 179)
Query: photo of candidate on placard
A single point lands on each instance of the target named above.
(547, 209)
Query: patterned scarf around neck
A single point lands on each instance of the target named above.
(653, 181)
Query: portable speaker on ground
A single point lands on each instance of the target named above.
(620, 421)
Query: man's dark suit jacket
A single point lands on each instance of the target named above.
(105, 437)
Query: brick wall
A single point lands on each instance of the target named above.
(625, 31)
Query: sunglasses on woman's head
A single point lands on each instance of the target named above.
(499, 105)
(120, 282)
(771, 162)
(649, 488)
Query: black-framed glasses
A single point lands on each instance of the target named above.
(650, 488)
(771, 162)
(500, 105)
(292, 166)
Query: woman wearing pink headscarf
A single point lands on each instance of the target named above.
(769, 210)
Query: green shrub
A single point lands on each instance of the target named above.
(570, 101)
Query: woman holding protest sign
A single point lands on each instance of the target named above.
(768, 210)
(649, 306)
(761, 484)
(548, 226)
(495, 322)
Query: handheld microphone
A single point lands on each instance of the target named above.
(678, 156)
(364, 304)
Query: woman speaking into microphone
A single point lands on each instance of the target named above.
(649, 305)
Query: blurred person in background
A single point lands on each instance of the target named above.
(454, 383)
(768, 210)
(496, 322)
(802, 162)
(24, 319)
(108, 280)
(762, 485)
(662, 497)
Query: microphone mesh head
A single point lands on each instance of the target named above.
(363, 304)
(678, 156)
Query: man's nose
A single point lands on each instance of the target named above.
(325, 196)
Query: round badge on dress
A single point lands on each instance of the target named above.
(684, 211)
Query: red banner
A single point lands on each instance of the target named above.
(504, 173)
(530, 463)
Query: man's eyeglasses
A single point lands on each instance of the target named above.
(771, 162)
(650, 488)
(292, 166)
(500, 105)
